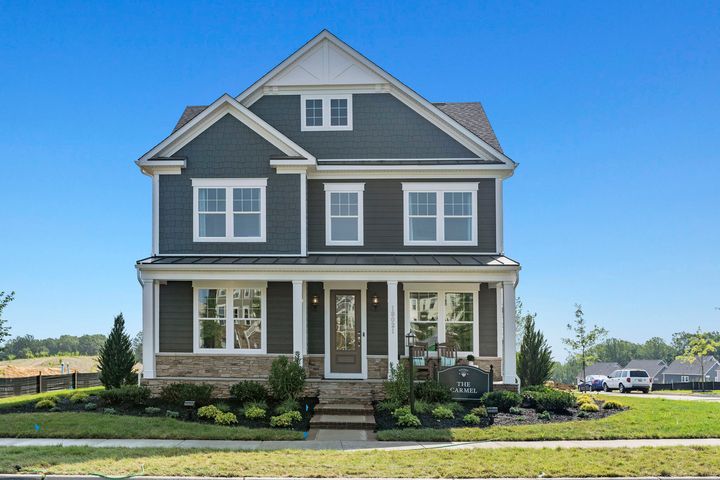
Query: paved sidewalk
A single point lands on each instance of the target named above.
(95, 477)
(352, 445)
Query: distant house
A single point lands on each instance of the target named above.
(600, 368)
(655, 368)
(684, 371)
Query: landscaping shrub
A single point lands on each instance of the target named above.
(585, 398)
(223, 407)
(177, 393)
(479, 411)
(442, 411)
(289, 405)
(409, 421)
(116, 358)
(225, 418)
(254, 412)
(387, 405)
(516, 410)
(79, 397)
(45, 404)
(401, 411)
(432, 392)
(152, 410)
(423, 407)
(397, 389)
(285, 420)
(472, 419)
(501, 399)
(612, 405)
(109, 411)
(589, 407)
(544, 415)
(90, 406)
(127, 394)
(553, 401)
(249, 391)
(209, 412)
(582, 414)
(173, 414)
(455, 407)
(287, 377)
(536, 388)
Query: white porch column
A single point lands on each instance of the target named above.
(392, 349)
(148, 315)
(297, 319)
(508, 356)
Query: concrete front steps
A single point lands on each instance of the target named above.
(343, 416)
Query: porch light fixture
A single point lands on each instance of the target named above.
(315, 301)
(375, 301)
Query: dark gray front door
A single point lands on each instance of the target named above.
(345, 347)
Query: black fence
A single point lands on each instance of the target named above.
(708, 385)
(10, 387)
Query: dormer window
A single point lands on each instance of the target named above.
(326, 112)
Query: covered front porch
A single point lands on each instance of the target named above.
(224, 319)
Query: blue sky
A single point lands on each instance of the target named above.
(611, 111)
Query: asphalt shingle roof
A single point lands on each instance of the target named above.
(682, 367)
(653, 367)
(600, 368)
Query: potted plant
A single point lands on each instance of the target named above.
(471, 360)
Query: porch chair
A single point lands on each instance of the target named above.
(447, 354)
(420, 359)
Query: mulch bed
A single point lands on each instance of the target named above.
(189, 414)
(385, 420)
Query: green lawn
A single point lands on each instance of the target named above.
(98, 425)
(9, 402)
(508, 462)
(646, 418)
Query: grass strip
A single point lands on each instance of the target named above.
(439, 463)
(10, 402)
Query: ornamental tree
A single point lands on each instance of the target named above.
(116, 358)
(583, 339)
(534, 362)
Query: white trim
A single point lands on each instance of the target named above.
(439, 189)
(229, 285)
(156, 313)
(344, 285)
(326, 112)
(393, 324)
(148, 317)
(303, 214)
(509, 374)
(499, 221)
(401, 252)
(500, 319)
(357, 188)
(229, 184)
(218, 109)
(320, 161)
(397, 88)
(297, 317)
(161, 167)
(430, 172)
(442, 289)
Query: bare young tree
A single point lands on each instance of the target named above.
(583, 338)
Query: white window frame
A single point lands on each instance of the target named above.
(684, 378)
(326, 112)
(441, 289)
(440, 189)
(229, 184)
(331, 188)
(229, 320)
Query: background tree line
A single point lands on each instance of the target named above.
(28, 346)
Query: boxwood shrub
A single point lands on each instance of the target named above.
(432, 391)
(177, 393)
(502, 399)
(125, 395)
(553, 401)
(249, 391)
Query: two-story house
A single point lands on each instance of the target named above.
(327, 210)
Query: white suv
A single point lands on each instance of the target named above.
(628, 380)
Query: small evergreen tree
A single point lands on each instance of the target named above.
(116, 358)
(534, 362)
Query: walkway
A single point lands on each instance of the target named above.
(351, 445)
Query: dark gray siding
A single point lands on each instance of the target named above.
(229, 149)
(487, 321)
(279, 317)
(383, 222)
(377, 319)
(383, 127)
(316, 318)
(176, 317)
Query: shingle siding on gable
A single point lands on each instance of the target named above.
(383, 127)
(383, 212)
(229, 149)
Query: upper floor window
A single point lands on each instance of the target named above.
(326, 112)
(344, 213)
(229, 209)
(440, 213)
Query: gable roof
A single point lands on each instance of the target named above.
(471, 115)
(208, 116)
(683, 367)
(653, 367)
(370, 73)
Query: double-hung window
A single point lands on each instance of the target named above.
(440, 213)
(326, 112)
(444, 314)
(229, 209)
(229, 317)
(344, 213)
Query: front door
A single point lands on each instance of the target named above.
(345, 340)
